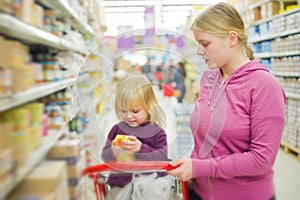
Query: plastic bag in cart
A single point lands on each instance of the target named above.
(148, 187)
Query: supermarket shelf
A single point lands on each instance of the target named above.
(286, 53)
(287, 74)
(263, 55)
(292, 95)
(16, 28)
(289, 147)
(34, 158)
(277, 54)
(260, 3)
(104, 119)
(274, 17)
(39, 154)
(67, 10)
(34, 93)
(37, 92)
(272, 36)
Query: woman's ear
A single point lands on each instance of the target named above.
(233, 38)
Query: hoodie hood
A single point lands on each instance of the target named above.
(248, 68)
(213, 78)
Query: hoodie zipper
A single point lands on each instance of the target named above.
(211, 109)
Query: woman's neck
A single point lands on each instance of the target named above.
(228, 70)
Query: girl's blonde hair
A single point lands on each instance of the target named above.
(222, 18)
(135, 89)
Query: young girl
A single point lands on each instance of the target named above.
(142, 122)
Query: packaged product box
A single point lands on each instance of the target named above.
(38, 15)
(26, 11)
(75, 192)
(38, 72)
(13, 53)
(6, 135)
(6, 164)
(74, 169)
(48, 178)
(272, 8)
(65, 148)
(36, 110)
(21, 151)
(19, 119)
(23, 78)
(5, 82)
(7, 169)
(264, 11)
(255, 14)
(3, 51)
(45, 125)
(69, 150)
(6, 6)
(35, 136)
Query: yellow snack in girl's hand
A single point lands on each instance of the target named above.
(123, 156)
(119, 139)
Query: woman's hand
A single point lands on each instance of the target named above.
(133, 145)
(184, 171)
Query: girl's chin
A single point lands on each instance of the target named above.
(132, 124)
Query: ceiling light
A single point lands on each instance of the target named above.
(125, 9)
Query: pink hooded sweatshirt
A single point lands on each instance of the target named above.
(237, 128)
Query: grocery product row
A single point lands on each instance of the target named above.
(30, 130)
(57, 176)
(50, 66)
(274, 30)
(292, 129)
(256, 10)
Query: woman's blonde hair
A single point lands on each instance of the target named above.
(222, 18)
(136, 89)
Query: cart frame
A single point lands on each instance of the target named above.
(100, 187)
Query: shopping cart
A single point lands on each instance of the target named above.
(96, 172)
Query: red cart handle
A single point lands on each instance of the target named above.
(129, 166)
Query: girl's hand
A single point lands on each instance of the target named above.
(184, 171)
(133, 146)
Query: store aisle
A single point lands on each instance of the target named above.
(168, 103)
(287, 176)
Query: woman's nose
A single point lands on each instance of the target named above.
(200, 51)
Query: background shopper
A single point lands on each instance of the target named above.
(179, 79)
(147, 69)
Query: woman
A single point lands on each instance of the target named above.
(238, 118)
